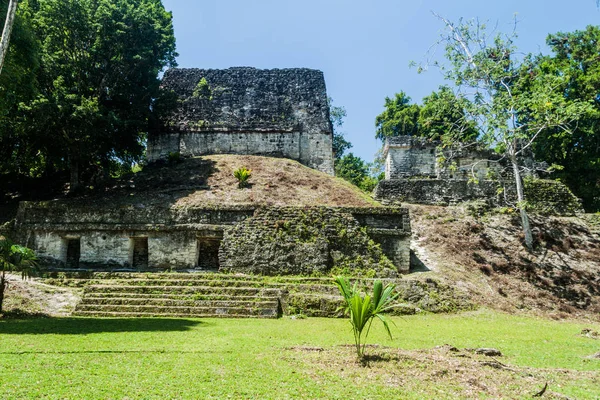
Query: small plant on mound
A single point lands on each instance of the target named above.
(202, 90)
(364, 309)
(174, 157)
(242, 174)
(14, 258)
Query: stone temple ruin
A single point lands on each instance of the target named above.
(278, 113)
(184, 212)
(170, 215)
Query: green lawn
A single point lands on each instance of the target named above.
(75, 358)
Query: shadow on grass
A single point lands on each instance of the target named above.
(113, 352)
(17, 313)
(83, 326)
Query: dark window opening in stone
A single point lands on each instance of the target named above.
(139, 259)
(73, 253)
(208, 253)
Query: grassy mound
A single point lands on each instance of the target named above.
(208, 181)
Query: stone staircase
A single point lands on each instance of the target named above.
(201, 295)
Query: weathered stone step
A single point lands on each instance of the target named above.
(125, 314)
(250, 288)
(159, 310)
(255, 302)
(206, 290)
(216, 283)
(188, 282)
(196, 297)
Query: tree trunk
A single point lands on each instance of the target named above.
(74, 186)
(521, 205)
(10, 19)
(2, 287)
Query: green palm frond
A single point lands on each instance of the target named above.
(14, 257)
(362, 310)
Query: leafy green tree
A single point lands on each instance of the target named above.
(356, 171)
(399, 118)
(14, 258)
(98, 80)
(510, 103)
(340, 144)
(443, 114)
(17, 85)
(347, 166)
(362, 310)
(576, 151)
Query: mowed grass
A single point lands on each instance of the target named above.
(82, 358)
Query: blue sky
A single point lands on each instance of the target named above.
(363, 47)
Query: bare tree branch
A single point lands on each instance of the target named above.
(10, 19)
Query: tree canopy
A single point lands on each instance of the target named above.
(576, 151)
(440, 114)
(96, 83)
(443, 114)
(399, 118)
(348, 166)
(17, 85)
(356, 171)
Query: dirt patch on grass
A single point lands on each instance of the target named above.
(33, 298)
(484, 256)
(441, 372)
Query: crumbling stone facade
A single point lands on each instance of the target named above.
(418, 170)
(71, 235)
(277, 112)
(305, 241)
(422, 171)
(420, 158)
(105, 237)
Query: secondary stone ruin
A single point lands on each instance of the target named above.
(277, 113)
(423, 171)
(418, 170)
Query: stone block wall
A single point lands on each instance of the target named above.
(313, 239)
(551, 197)
(418, 170)
(106, 234)
(407, 156)
(114, 249)
(390, 229)
(279, 112)
(543, 196)
(417, 157)
(436, 191)
(274, 144)
(280, 241)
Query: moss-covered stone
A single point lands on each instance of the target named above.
(288, 241)
(551, 197)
